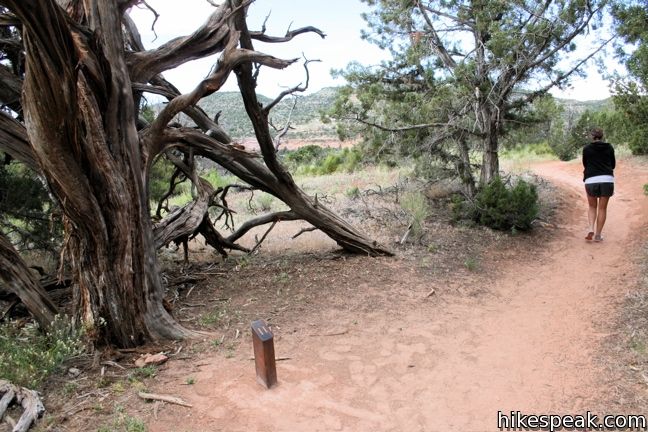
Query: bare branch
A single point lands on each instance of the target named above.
(177, 175)
(156, 16)
(210, 38)
(297, 88)
(132, 33)
(230, 59)
(183, 221)
(437, 44)
(262, 220)
(216, 240)
(304, 230)
(19, 280)
(197, 114)
(565, 41)
(265, 21)
(396, 129)
(290, 35)
(9, 19)
(263, 237)
(563, 76)
(286, 128)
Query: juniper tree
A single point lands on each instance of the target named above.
(463, 71)
(72, 80)
(631, 94)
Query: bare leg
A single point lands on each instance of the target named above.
(601, 214)
(592, 201)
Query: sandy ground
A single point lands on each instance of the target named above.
(526, 339)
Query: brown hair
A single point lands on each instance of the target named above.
(597, 133)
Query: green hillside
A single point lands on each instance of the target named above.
(305, 117)
(578, 107)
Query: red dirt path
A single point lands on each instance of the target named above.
(449, 363)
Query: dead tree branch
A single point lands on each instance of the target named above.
(20, 280)
(263, 237)
(262, 220)
(303, 231)
(31, 403)
(286, 128)
(290, 35)
(298, 88)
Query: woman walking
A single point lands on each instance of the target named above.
(599, 164)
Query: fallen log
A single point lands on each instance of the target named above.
(31, 403)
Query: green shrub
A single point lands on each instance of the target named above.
(541, 150)
(352, 159)
(304, 155)
(503, 208)
(353, 192)
(26, 212)
(471, 264)
(217, 180)
(159, 176)
(500, 207)
(462, 209)
(566, 150)
(315, 160)
(638, 142)
(28, 355)
(331, 163)
(264, 202)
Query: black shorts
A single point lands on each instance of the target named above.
(600, 189)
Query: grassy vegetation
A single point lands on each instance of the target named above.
(264, 202)
(416, 205)
(123, 422)
(527, 153)
(471, 264)
(221, 314)
(28, 356)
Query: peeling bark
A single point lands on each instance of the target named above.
(82, 132)
(85, 71)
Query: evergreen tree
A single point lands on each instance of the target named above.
(463, 71)
(631, 93)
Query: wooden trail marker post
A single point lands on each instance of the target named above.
(264, 355)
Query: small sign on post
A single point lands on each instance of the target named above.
(264, 355)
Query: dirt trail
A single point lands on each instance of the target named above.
(528, 344)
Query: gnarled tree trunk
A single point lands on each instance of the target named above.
(80, 120)
(85, 71)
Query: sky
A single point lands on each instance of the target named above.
(341, 21)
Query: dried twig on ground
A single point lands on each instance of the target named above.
(164, 398)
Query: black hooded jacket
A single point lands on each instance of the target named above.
(598, 159)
